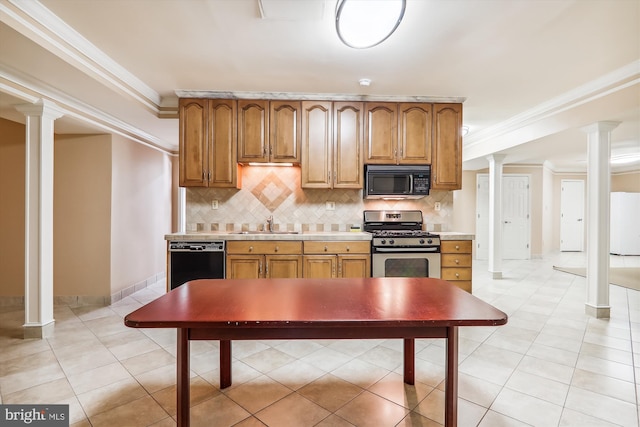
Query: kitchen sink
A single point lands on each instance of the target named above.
(266, 232)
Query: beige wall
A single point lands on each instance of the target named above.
(545, 202)
(12, 181)
(140, 212)
(81, 215)
(112, 208)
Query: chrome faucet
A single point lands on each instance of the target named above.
(270, 223)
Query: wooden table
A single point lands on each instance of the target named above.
(367, 308)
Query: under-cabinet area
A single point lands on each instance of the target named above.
(329, 140)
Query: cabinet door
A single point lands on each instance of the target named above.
(283, 266)
(193, 158)
(316, 144)
(319, 266)
(253, 131)
(347, 145)
(415, 133)
(284, 131)
(446, 168)
(381, 132)
(354, 266)
(222, 143)
(244, 266)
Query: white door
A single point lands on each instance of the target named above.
(516, 229)
(482, 216)
(515, 217)
(572, 215)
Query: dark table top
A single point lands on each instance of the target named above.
(296, 303)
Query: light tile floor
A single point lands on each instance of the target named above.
(551, 365)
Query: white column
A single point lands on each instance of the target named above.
(495, 215)
(38, 290)
(598, 201)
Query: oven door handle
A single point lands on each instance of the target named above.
(413, 250)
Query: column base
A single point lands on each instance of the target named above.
(39, 331)
(602, 312)
(496, 274)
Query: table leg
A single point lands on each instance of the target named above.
(182, 384)
(409, 360)
(451, 387)
(225, 363)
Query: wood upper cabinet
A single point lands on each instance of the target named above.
(268, 131)
(332, 144)
(414, 135)
(398, 133)
(446, 167)
(381, 132)
(208, 143)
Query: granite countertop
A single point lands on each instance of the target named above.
(236, 235)
(454, 235)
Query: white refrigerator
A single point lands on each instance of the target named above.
(625, 223)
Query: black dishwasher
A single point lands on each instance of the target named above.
(195, 260)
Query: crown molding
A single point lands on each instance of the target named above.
(32, 90)
(620, 79)
(293, 96)
(39, 24)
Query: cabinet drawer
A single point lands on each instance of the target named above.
(450, 273)
(462, 284)
(337, 247)
(455, 246)
(264, 247)
(456, 260)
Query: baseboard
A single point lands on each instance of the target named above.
(79, 300)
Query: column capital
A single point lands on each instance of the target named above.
(43, 108)
(600, 127)
(496, 158)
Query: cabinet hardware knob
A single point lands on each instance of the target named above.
(457, 247)
(276, 249)
(250, 248)
(457, 261)
(457, 275)
(348, 248)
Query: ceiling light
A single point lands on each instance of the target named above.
(364, 82)
(366, 23)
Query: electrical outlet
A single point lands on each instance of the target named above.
(331, 206)
(214, 204)
(436, 206)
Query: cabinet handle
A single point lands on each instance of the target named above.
(276, 249)
(326, 249)
(266, 269)
(264, 151)
(348, 248)
(203, 175)
(457, 261)
(250, 248)
(260, 269)
(340, 269)
(457, 248)
(329, 176)
(457, 275)
(209, 176)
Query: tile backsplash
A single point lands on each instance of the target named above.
(272, 190)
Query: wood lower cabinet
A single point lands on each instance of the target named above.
(456, 262)
(208, 143)
(336, 259)
(263, 259)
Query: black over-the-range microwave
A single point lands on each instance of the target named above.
(396, 181)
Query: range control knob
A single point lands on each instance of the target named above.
(391, 242)
(383, 241)
(430, 241)
(421, 241)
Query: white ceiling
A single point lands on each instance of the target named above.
(533, 73)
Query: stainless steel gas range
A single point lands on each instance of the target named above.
(399, 247)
